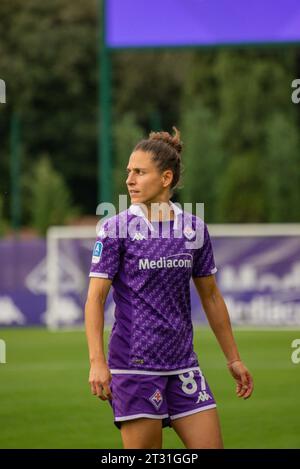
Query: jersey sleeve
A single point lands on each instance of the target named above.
(106, 257)
(203, 261)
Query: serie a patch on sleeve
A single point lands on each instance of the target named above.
(97, 252)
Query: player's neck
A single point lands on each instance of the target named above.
(160, 211)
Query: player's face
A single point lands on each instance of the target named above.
(144, 182)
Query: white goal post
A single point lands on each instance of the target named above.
(67, 270)
(59, 312)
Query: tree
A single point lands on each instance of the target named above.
(282, 169)
(50, 200)
(241, 191)
(252, 84)
(48, 59)
(203, 158)
(126, 135)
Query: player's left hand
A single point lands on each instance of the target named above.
(243, 378)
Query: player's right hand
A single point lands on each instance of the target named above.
(99, 379)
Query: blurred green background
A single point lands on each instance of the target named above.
(233, 106)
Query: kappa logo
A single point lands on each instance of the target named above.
(157, 399)
(138, 237)
(203, 396)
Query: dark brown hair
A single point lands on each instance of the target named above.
(165, 150)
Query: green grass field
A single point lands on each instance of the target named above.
(45, 400)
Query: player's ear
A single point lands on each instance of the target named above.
(167, 177)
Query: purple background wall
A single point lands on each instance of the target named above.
(143, 23)
(259, 278)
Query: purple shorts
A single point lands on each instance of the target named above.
(160, 397)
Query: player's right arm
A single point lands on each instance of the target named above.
(100, 376)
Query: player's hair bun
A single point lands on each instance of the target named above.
(174, 141)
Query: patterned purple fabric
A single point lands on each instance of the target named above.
(151, 280)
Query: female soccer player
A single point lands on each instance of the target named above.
(152, 376)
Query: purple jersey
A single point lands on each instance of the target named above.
(151, 265)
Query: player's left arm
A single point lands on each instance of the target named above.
(218, 318)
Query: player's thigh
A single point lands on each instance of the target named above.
(199, 430)
(142, 433)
